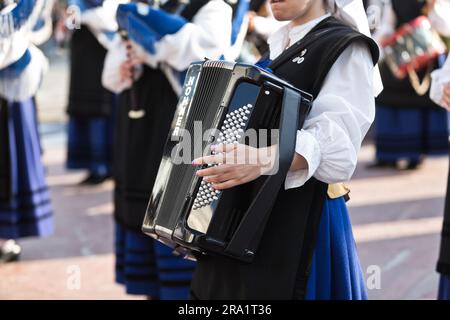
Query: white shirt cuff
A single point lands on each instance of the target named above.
(308, 147)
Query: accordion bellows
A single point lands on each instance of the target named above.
(221, 102)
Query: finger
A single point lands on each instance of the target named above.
(446, 105)
(135, 61)
(125, 75)
(446, 100)
(211, 171)
(214, 158)
(223, 147)
(227, 184)
(220, 178)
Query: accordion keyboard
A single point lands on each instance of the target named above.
(231, 131)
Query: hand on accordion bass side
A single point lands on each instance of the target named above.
(239, 164)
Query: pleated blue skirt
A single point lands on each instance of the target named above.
(90, 144)
(410, 133)
(335, 269)
(147, 267)
(444, 288)
(28, 212)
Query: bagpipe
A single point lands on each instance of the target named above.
(228, 100)
(413, 47)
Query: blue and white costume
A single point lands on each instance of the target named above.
(408, 125)
(168, 39)
(25, 208)
(91, 107)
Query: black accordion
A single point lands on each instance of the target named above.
(228, 99)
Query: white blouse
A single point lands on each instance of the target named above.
(102, 19)
(440, 78)
(340, 116)
(208, 36)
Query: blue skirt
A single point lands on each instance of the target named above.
(410, 133)
(335, 270)
(28, 212)
(147, 267)
(90, 143)
(444, 288)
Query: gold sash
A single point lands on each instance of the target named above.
(337, 190)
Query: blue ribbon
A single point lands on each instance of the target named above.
(241, 11)
(16, 68)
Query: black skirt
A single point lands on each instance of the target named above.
(281, 266)
(139, 144)
(5, 165)
(87, 96)
(443, 265)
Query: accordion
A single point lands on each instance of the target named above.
(227, 99)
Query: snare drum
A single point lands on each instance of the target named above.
(412, 47)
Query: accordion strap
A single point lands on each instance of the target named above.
(246, 238)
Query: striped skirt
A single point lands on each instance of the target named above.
(26, 211)
(335, 270)
(410, 133)
(147, 267)
(90, 144)
(444, 288)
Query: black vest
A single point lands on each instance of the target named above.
(139, 143)
(443, 265)
(400, 93)
(282, 262)
(87, 96)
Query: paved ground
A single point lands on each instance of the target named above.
(397, 218)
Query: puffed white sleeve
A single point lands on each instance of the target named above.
(208, 35)
(115, 56)
(439, 78)
(440, 17)
(339, 119)
(27, 83)
(102, 18)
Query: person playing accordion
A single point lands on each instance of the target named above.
(307, 249)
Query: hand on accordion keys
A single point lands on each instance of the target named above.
(238, 164)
